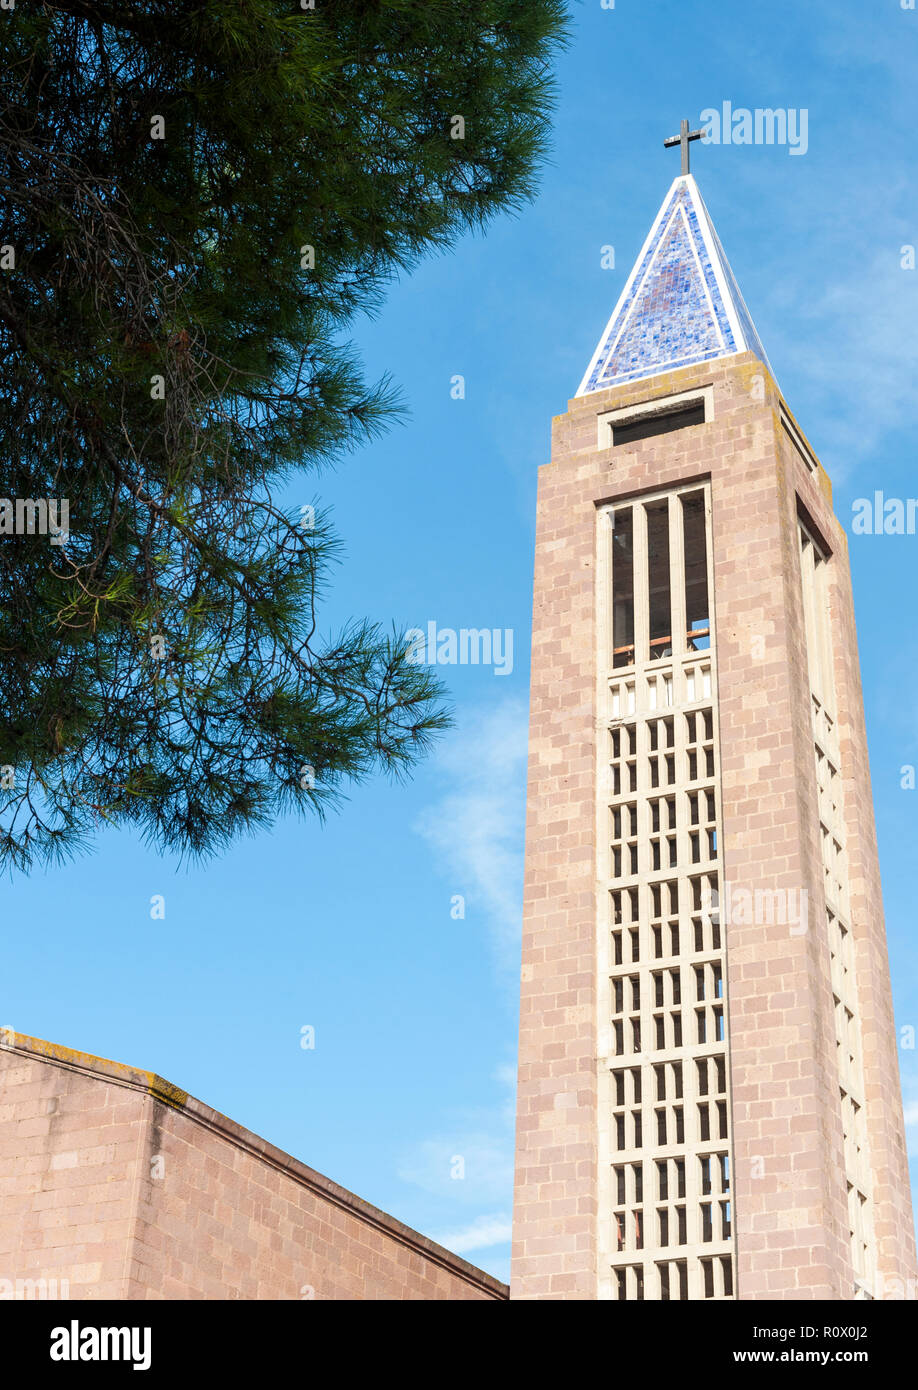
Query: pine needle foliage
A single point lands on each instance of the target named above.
(196, 200)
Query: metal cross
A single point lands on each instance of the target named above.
(683, 139)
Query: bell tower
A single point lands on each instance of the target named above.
(709, 1102)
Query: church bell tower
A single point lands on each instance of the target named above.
(709, 1102)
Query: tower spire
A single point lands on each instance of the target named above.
(681, 304)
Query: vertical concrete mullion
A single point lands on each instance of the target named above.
(642, 790)
(647, 1044)
(683, 848)
(641, 588)
(642, 742)
(677, 587)
(642, 710)
(717, 870)
(604, 565)
(692, 1140)
(683, 863)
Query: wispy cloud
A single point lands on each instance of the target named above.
(481, 1234)
(911, 1128)
(469, 1164)
(476, 830)
(477, 827)
(910, 1106)
(865, 317)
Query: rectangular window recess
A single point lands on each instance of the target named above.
(650, 425)
(798, 441)
(815, 534)
(661, 416)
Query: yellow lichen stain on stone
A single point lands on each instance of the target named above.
(164, 1090)
(751, 373)
(56, 1052)
(157, 1086)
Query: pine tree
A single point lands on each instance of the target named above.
(197, 199)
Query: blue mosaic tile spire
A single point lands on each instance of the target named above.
(681, 304)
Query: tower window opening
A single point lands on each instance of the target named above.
(622, 520)
(619, 1230)
(658, 575)
(697, 614)
(648, 426)
(682, 1270)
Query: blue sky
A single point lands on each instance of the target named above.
(348, 928)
